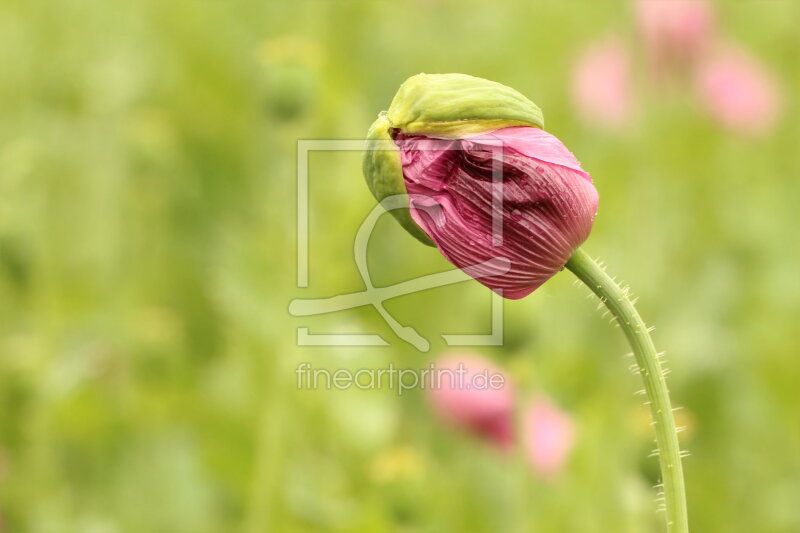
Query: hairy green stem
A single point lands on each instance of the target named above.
(649, 366)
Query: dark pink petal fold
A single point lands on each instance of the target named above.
(541, 201)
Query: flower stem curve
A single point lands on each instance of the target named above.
(618, 302)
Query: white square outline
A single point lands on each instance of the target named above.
(304, 338)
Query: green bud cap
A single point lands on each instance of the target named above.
(456, 105)
(449, 106)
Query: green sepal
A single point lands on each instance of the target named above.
(384, 173)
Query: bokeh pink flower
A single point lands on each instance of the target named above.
(549, 435)
(546, 211)
(601, 83)
(738, 91)
(675, 33)
(681, 44)
(460, 396)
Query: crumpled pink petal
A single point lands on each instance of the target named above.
(739, 92)
(544, 203)
(459, 397)
(549, 435)
(601, 83)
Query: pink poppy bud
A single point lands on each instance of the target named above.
(486, 184)
(739, 92)
(675, 32)
(549, 435)
(463, 393)
(601, 83)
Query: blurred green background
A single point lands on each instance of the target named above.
(147, 258)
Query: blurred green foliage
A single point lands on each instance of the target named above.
(147, 258)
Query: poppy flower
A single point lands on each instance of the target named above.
(549, 435)
(464, 392)
(739, 92)
(485, 182)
